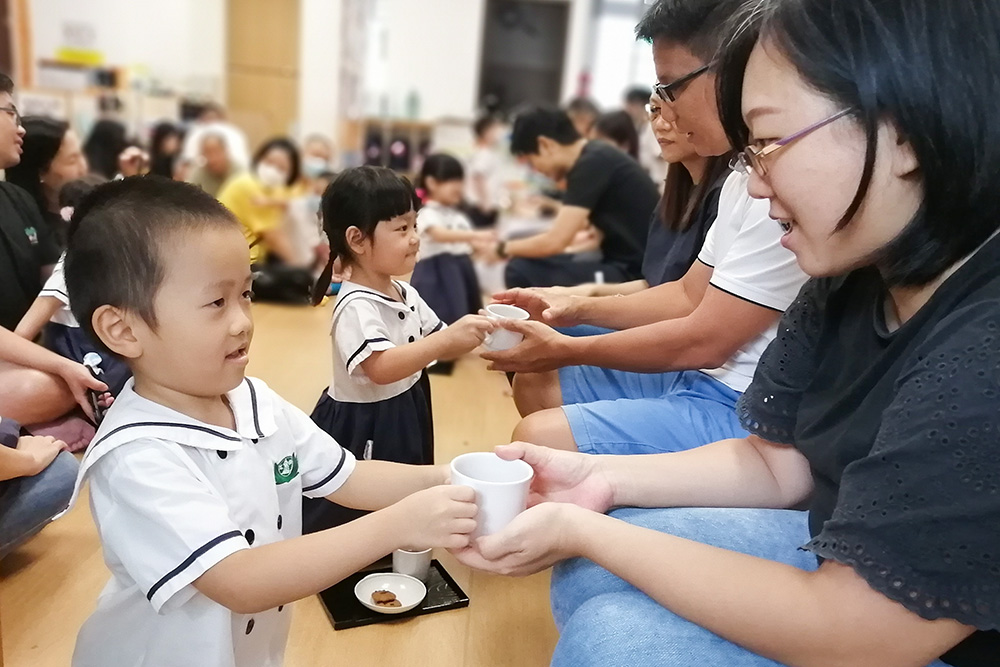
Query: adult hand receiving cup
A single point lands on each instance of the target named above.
(501, 487)
(542, 348)
(563, 477)
(543, 305)
(503, 338)
(536, 540)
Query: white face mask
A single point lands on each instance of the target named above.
(270, 175)
(313, 166)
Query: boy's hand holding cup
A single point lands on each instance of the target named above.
(441, 516)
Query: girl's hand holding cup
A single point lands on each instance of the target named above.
(467, 334)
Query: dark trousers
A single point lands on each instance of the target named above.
(560, 271)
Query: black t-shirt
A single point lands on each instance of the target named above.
(26, 246)
(620, 197)
(901, 430)
(670, 254)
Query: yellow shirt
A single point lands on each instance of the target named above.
(241, 195)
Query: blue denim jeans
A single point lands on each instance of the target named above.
(27, 504)
(606, 622)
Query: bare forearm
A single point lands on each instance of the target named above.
(636, 309)
(254, 580)
(612, 289)
(727, 473)
(14, 463)
(38, 315)
(540, 245)
(276, 241)
(673, 345)
(442, 235)
(377, 484)
(400, 362)
(23, 352)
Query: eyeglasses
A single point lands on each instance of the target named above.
(653, 112)
(668, 91)
(753, 158)
(13, 113)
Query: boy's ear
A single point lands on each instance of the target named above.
(545, 145)
(355, 240)
(114, 327)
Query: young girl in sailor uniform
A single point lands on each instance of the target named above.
(384, 333)
(197, 472)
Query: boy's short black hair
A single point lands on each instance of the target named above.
(360, 197)
(6, 84)
(115, 256)
(637, 95)
(696, 24)
(533, 123)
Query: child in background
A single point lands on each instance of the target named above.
(445, 274)
(483, 187)
(51, 315)
(384, 334)
(197, 472)
(302, 222)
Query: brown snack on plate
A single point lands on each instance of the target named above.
(384, 598)
(390, 603)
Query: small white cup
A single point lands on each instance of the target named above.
(502, 339)
(413, 563)
(501, 488)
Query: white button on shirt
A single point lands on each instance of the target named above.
(171, 497)
(367, 321)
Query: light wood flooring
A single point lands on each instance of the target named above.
(50, 585)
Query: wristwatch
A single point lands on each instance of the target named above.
(502, 250)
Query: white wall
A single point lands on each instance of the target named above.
(181, 43)
(319, 67)
(432, 47)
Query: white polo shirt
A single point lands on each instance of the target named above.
(744, 249)
(433, 215)
(171, 497)
(55, 287)
(366, 321)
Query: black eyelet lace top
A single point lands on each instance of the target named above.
(902, 430)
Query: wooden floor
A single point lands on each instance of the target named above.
(49, 586)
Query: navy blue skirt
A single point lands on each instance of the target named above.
(74, 343)
(397, 429)
(449, 285)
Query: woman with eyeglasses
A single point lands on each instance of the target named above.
(869, 130)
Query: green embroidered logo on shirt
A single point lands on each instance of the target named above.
(286, 469)
(32, 235)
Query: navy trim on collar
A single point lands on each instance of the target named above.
(191, 559)
(253, 405)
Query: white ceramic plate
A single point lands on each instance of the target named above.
(410, 591)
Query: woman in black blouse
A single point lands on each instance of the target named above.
(871, 130)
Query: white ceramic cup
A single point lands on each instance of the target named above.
(502, 339)
(501, 488)
(416, 564)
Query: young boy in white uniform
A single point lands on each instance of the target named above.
(197, 472)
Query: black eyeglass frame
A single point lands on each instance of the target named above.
(668, 91)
